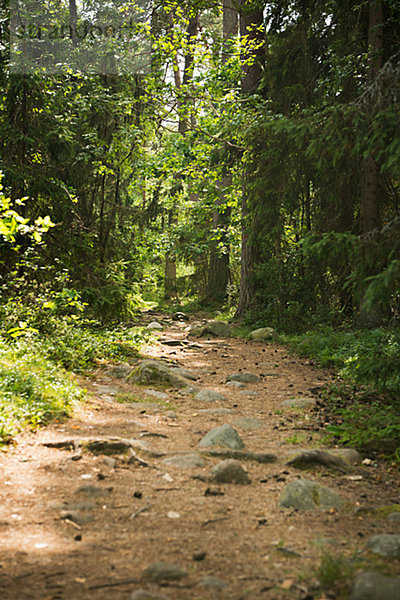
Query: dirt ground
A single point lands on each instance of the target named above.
(159, 512)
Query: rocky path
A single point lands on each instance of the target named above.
(198, 474)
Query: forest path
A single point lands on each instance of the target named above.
(82, 522)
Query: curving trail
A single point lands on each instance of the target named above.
(82, 516)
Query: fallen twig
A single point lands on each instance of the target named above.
(214, 521)
(143, 509)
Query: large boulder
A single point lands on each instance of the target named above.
(374, 586)
(211, 328)
(152, 371)
(385, 544)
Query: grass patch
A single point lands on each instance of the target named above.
(33, 391)
(364, 406)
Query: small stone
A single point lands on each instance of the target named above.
(385, 544)
(262, 334)
(247, 423)
(225, 436)
(180, 316)
(137, 494)
(229, 471)
(185, 461)
(209, 396)
(374, 586)
(163, 571)
(303, 494)
(106, 446)
(213, 491)
(109, 461)
(395, 517)
(211, 581)
(215, 411)
(244, 377)
(235, 384)
(297, 403)
(198, 556)
(77, 517)
(155, 325)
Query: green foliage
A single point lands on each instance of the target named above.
(32, 389)
(371, 424)
(335, 573)
(368, 356)
(366, 407)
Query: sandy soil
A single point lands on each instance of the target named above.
(164, 513)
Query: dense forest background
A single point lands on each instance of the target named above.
(254, 168)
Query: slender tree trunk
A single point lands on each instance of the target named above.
(251, 26)
(218, 273)
(184, 100)
(369, 210)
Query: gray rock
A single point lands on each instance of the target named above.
(235, 384)
(81, 506)
(351, 456)
(262, 458)
(229, 471)
(298, 403)
(395, 517)
(106, 445)
(109, 461)
(185, 373)
(80, 518)
(215, 411)
(247, 423)
(374, 586)
(152, 371)
(262, 334)
(93, 491)
(248, 393)
(215, 329)
(180, 316)
(243, 377)
(212, 582)
(145, 595)
(303, 494)
(385, 544)
(210, 396)
(163, 571)
(195, 331)
(225, 436)
(185, 461)
(119, 371)
(156, 394)
(155, 325)
(310, 458)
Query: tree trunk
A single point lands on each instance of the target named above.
(170, 286)
(251, 25)
(218, 274)
(369, 209)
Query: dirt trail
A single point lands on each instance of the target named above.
(234, 541)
